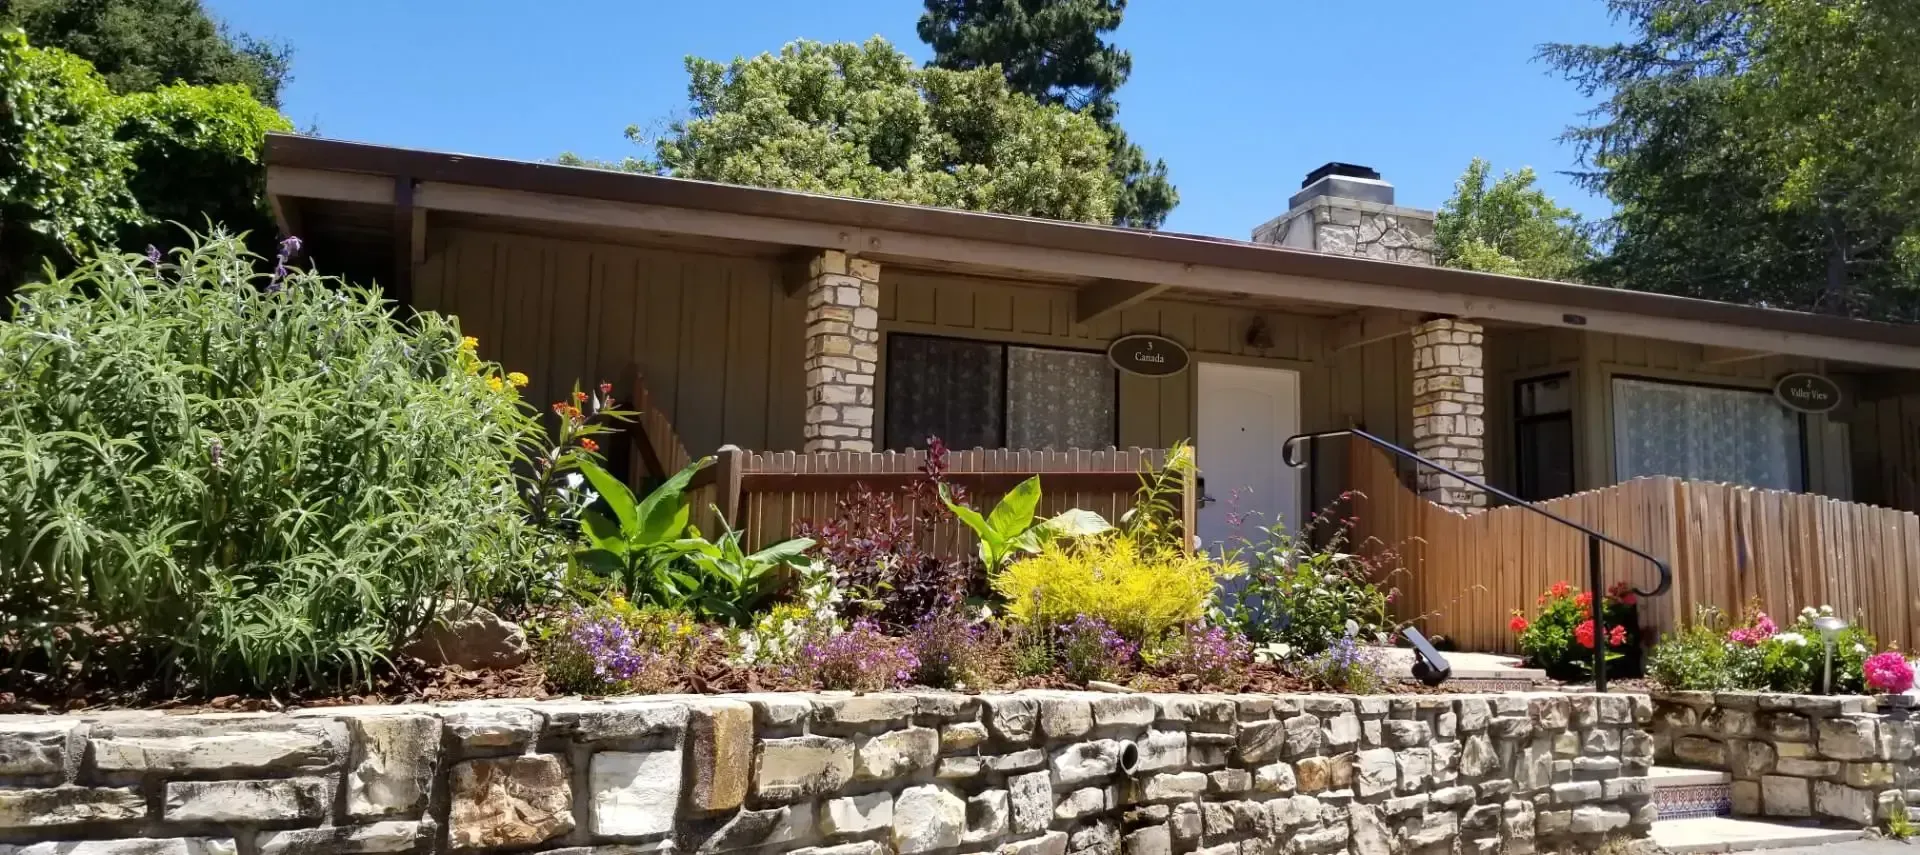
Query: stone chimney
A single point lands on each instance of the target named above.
(1346, 209)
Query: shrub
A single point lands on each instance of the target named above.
(1214, 656)
(1141, 592)
(1306, 597)
(873, 541)
(949, 650)
(259, 482)
(862, 659)
(1696, 658)
(1560, 639)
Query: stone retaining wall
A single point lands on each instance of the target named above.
(1847, 759)
(1032, 773)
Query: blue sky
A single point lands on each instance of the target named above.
(1240, 97)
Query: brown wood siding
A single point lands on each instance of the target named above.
(718, 340)
(1886, 450)
(1369, 386)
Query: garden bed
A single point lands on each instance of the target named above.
(1027, 773)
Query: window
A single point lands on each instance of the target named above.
(1705, 433)
(1543, 437)
(976, 393)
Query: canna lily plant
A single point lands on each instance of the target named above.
(1010, 527)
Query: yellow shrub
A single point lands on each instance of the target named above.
(1141, 592)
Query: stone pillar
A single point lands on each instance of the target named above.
(843, 351)
(1449, 410)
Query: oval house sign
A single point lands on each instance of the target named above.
(1808, 393)
(1151, 355)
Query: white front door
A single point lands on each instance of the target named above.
(1245, 414)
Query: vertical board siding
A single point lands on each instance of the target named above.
(1371, 385)
(717, 338)
(1886, 450)
(1727, 545)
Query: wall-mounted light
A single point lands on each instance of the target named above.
(1258, 336)
(1829, 627)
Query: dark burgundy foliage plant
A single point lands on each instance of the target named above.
(874, 540)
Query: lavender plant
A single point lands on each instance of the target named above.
(861, 659)
(617, 647)
(1346, 665)
(1090, 649)
(950, 649)
(1215, 656)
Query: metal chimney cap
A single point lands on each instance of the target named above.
(1344, 170)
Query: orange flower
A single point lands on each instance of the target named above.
(1518, 624)
(1584, 600)
(1560, 589)
(579, 397)
(587, 443)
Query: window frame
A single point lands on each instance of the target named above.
(1006, 348)
(1520, 422)
(1805, 472)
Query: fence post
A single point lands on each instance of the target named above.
(726, 482)
(1189, 500)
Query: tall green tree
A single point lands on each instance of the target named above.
(141, 45)
(82, 169)
(1509, 226)
(1057, 52)
(1759, 151)
(862, 120)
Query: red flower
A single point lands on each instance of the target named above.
(1518, 624)
(1628, 599)
(1560, 589)
(606, 388)
(579, 397)
(1616, 635)
(1584, 599)
(587, 443)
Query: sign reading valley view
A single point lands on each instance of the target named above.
(1808, 393)
(1151, 355)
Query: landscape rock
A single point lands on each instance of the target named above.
(35, 748)
(379, 837)
(800, 767)
(927, 818)
(40, 808)
(857, 814)
(1031, 801)
(896, 753)
(390, 765)
(176, 749)
(720, 754)
(469, 636)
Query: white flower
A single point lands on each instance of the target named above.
(1826, 610)
(1793, 638)
(1859, 648)
(574, 480)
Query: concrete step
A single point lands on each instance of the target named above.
(1709, 834)
(1681, 793)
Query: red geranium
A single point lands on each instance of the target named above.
(1518, 624)
(1560, 589)
(1616, 635)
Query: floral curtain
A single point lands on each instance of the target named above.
(1059, 399)
(1703, 433)
(944, 387)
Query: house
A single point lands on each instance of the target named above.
(776, 320)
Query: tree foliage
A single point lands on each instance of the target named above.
(82, 168)
(141, 45)
(1056, 51)
(861, 120)
(1509, 227)
(1759, 151)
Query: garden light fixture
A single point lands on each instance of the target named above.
(1829, 627)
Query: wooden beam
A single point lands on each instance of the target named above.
(660, 219)
(403, 239)
(1715, 355)
(796, 270)
(1359, 329)
(419, 236)
(1102, 298)
(286, 215)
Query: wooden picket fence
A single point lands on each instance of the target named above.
(1727, 545)
(765, 494)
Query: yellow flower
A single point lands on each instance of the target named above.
(495, 384)
(469, 343)
(518, 379)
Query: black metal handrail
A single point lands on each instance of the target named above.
(1595, 583)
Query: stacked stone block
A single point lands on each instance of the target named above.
(1353, 227)
(1031, 773)
(1450, 410)
(843, 351)
(1845, 759)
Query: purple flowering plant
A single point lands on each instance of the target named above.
(1346, 665)
(1214, 655)
(616, 647)
(862, 659)
(1089, 649)
(948, 648)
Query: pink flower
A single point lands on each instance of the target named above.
(1888, 672)
(1761, 630)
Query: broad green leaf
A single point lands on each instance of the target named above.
(603, 533)
(1014, 514)
(967, 515)
(784, 552)
(1076, 523)
(663, 513)
(615, 494)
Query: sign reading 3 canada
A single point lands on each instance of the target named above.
(1149, 355)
